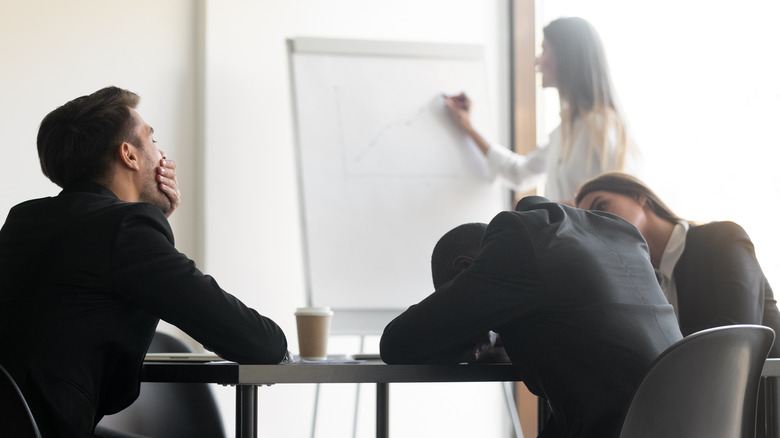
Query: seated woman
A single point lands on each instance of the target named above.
(708, 272)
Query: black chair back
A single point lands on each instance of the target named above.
(705, 385)
(16, 420)
(170, 410)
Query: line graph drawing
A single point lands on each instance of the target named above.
(390, 126)
(384, 150)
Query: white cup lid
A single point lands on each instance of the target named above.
(314, 311)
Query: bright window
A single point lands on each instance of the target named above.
(700, 84)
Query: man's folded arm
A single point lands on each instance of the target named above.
(453, 324)
(449, 326)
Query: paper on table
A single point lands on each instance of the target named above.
(332, 359)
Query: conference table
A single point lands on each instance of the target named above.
(247, 379)
(771, 368)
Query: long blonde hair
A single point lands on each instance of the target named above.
(585, 90)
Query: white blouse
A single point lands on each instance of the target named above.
(670, 257)
(563, 177)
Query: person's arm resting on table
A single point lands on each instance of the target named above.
(451, 324)
(150, 272)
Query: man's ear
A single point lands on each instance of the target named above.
(462, 262)
(129, 156)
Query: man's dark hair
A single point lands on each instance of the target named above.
(76, 141)
(455, 251)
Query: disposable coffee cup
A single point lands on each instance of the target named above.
(313, 330)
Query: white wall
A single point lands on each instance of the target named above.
(52, 52)
(248, 238)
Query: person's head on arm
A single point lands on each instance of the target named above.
(455, 251)
(101, 138)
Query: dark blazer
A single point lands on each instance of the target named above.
(575, 300)
(719, 281)
(84, 279)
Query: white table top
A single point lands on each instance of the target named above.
(369, 371)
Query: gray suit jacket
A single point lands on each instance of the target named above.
(575, 300)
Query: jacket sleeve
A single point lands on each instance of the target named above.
(446, 325)
(736, 277)
(147, 270)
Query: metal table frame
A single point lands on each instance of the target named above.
(247, 378)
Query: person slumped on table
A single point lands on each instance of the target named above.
(573, 297)
(708, 272)
(86, 275)
(593, 136)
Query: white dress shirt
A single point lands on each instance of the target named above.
(672, 252)
(563, 177)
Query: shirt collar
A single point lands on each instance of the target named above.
(673, 251)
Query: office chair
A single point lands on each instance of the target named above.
(705, 385)
(768, 408)
(15, 417)
(170, 410)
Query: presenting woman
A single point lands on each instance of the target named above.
(709, 273)
(592, 138)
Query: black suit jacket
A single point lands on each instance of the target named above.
(719, 281)
(84, 278)
(575, 300)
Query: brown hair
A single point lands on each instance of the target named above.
(76, 141)
(585, 88)
(627, 185)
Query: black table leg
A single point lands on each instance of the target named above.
(246, 411)
(382, 410)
